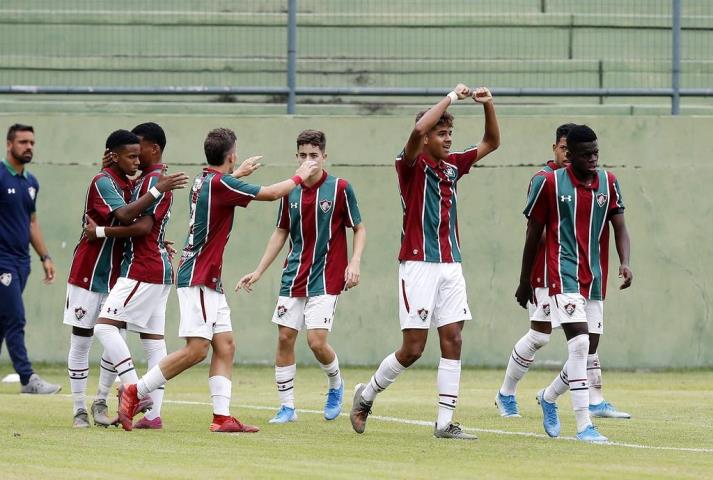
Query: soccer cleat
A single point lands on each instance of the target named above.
(453, 430)
(36, 385)
(81, 419)
(130, 405)
(591, 434)
(333, 405)
(145, 404)
(225, 424)
(551, 420)
(507, 404)
(146, 424)
(100, 414)
(284, 414)
(606, 410)
(360, 409)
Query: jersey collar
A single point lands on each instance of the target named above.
(12, 170)
(211, 170)
(578, 183)
(316, 185)
(121, 180)
(552, 165)
(152, 168)
(435, 164)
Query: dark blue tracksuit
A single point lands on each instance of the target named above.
(18, 193)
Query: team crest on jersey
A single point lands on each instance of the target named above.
(570, 308)
(281, 311)
(79, 313)
(422, 314)
(450, 172)
(325, 205)
(6, 279)
(32, 191)
(546, 309)
(601, 199)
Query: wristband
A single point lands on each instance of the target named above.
(100, 232)
(453, 96)
(155, 192)
(44, 258)
(297, 179)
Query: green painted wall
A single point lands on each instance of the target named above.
(664, 167)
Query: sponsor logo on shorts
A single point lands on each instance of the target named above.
(546, 309)
(6, 279)
(601, 199)
(281, 311)
(112, 310)
(325, 205)
(79, 313)
(422, 314)
(570, 308)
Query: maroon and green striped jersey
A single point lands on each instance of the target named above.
(213, 199)
(429, 201)
(146, 258)
(95, 265)
(576, 217)
(538, 277)
(317, 218)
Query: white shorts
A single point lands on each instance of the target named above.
(573, 307)
(431, 294)
(204, 312)
(141, 305)
(540, 311)
(82, 307)
(310, 312)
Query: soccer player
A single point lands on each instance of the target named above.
(575, 205)
(523, 353)
(95, 265)
(205, 315)
(315, 217)
(19, 227)
(431, 287)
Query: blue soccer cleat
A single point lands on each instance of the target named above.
(507, 404)
(333, 405)
(606, 410)
(551, 420)
(591, 434)
(284, 415)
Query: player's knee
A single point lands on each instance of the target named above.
(412, 352)
(579, 345)
(285, 338)
(197, 352)
(316, 344)
(538, 339)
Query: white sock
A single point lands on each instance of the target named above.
(558, 386)
(107, 375)
(448, 385)
(153, 380)
(522, 356)
(117, 350)
(78, 369)
(155, 351)
(285, 380)
(577, 376)
(333, 374)
(220, 391)
(384, 376)
(594, 376)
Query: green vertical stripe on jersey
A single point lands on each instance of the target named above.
(100, 281)
(536, 185)
(599, 217)
(432, 212)
(453, 219)
(326, 192)
(293, 259)
(200, 218)
(567, 206)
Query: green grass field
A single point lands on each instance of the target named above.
(668, 437)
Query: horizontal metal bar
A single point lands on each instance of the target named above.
(351, 91)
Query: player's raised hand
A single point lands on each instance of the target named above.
(351, 275)
(246, 283)
(168, 245)
(248, 167)
(482, 95)
(90, 228)
(523, 294)
(628, 276)
(463, 91)
(173, 181)
(307, 169)
(108, 158)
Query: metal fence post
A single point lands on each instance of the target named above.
(291, 55)
(676, 59)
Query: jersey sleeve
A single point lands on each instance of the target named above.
(352, 214)
(36, 185)
(283, 213)
(616, 204)
(144, 187)
(106, 199)
(237, 193)
(464, 160)
(538, 194)
(403, 169)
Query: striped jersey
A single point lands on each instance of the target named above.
(576, 218)
(213, 199)
(429, 203)
(95, 265)
(317, 218)
(146, 258)
(539, 272)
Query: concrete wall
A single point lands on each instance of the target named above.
(664, 167)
